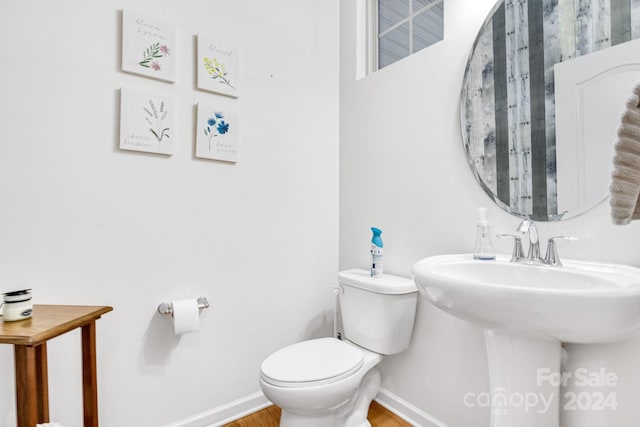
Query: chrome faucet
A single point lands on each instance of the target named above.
(529, 227)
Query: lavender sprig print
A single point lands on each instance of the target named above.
(216, 126)
(217, 70)
(152, 115)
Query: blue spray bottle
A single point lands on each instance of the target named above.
(376, 253)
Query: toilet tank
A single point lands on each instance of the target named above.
(377, 313)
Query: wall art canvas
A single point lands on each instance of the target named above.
(148, 47)
(146, 122)
(217, 133)
(217, 67)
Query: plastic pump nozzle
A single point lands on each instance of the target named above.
(482, 216)
(376, 239)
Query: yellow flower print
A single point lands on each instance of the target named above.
(216, 70)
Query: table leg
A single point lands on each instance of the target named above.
(42, 383)
(89, 375)
(26, 385)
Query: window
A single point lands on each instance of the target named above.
(404, 27)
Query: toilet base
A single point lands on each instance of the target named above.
(369, 388)
(288, 419)
(352, 414)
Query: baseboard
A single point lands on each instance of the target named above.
(226, 413)
(406, 411)
(247, 405)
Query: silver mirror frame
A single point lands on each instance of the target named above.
(466, 143)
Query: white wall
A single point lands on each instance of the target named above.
(403, 169)
(85, 223)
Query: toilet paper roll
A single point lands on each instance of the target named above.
(186, 316)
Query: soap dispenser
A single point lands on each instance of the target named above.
(484, 247)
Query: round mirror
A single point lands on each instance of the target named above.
(541, 100)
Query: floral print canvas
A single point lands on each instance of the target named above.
(217, 67)
(217, 133)
(148, 47)
(146, 122)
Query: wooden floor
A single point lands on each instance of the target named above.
(270, 417)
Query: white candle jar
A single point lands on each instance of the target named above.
(17, 305)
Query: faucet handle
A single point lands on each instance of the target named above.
(517, 253)
(552, 257)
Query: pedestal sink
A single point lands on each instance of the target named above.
(528, 312)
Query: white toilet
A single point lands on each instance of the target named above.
(327, 382)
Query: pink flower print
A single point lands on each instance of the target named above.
(164, 49)
(155, 66)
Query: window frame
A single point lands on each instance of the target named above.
(373, 45)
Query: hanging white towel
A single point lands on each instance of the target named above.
(625, 178)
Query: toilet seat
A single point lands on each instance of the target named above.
(310, 363)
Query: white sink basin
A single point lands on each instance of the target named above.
(528, 312)
(580, 302)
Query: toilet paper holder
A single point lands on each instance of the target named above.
(166, 309)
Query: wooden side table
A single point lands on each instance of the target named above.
(29, 338)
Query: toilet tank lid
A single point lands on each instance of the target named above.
(387, 284)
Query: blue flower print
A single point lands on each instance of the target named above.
(223, 127)
(216, 126)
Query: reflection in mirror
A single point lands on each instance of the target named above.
(512, 137)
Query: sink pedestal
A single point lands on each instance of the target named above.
(524, 375)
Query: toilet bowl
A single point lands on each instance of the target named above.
(315, 381)
(329, 382)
